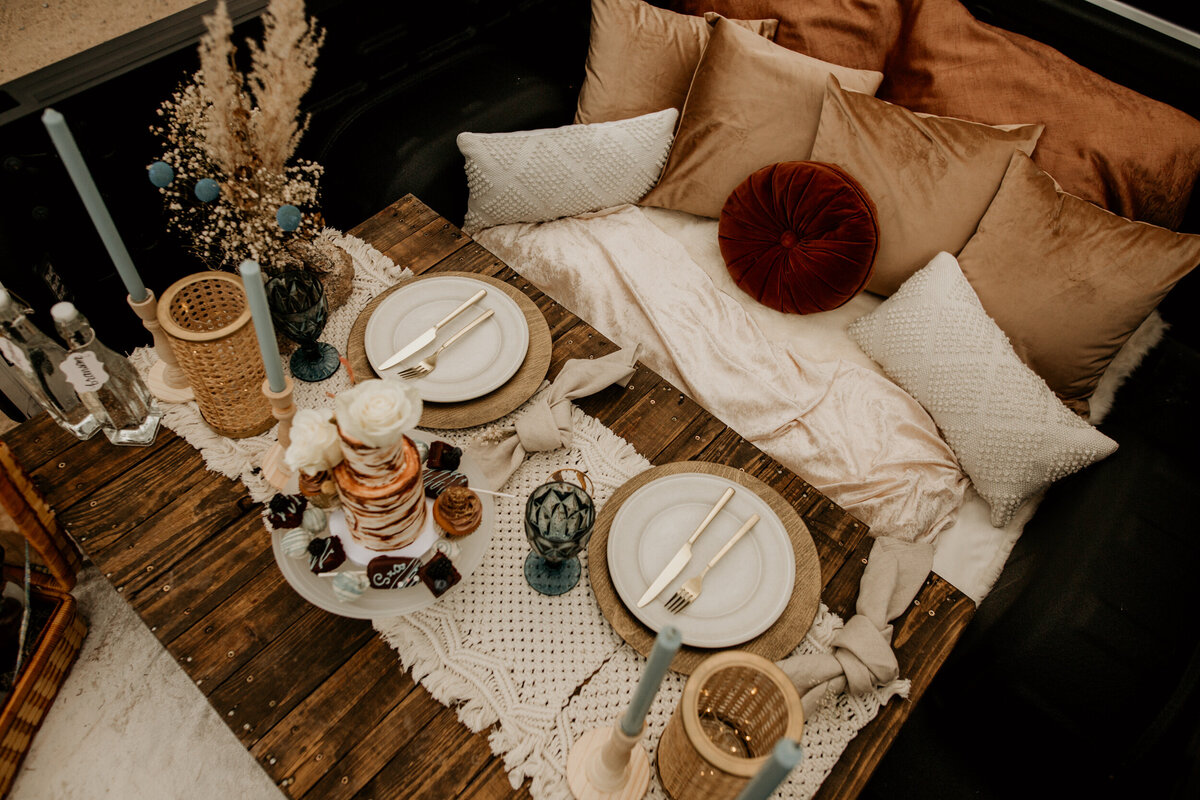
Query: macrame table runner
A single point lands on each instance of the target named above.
(538, 671)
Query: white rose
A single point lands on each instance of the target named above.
(314, 447)
(377, 412)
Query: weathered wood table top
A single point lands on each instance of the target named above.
(320, 700)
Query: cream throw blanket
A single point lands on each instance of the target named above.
(847, 430)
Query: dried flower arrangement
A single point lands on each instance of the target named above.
(227, 142)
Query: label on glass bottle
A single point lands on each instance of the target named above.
(14, 354)
(84, 371)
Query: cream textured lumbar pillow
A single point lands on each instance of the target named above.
(1011, 434)
(534, 176)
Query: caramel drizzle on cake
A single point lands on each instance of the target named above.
(381, 492)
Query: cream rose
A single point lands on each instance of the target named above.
(377, 412)
(314, 447)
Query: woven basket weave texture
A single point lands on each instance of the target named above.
(745, 693)
(207, 320)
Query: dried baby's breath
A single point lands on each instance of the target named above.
(212, 128)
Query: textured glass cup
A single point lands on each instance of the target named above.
(558, 522)
(300, 310)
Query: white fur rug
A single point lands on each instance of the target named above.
(128, 724)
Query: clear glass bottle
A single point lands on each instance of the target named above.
(36, 357)
(105, 381)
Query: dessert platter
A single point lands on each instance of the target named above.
(444, 528)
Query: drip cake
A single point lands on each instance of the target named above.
(382, 492)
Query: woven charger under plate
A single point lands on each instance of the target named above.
(777, 641)
(738, 699)
(207, 321)
(493, 405)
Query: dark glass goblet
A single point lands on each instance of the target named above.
(299, 309)
(558, 522)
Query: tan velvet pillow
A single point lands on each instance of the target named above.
(931, 178)
(852, 33)
(641, 58)
(1135, 156)
(752, 103)
(1067, 281)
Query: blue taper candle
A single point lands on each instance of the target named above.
(263, 327)
(72, 159)
(786, 755)
(666, 645)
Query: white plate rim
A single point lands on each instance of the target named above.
(382, 603)
(514, 316)
(653, 615)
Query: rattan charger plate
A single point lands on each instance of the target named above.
(777, 641)
(519, 388)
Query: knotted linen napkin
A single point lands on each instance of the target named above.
(862, 656)
(546, 424)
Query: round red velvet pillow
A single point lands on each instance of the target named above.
(799, 236)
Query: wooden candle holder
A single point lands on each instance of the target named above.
(166, 381)
(605, 764)
(274, 468)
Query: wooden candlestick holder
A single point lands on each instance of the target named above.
(606, 764)
(274, 468)
(166, 380)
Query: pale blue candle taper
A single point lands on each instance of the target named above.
(68, 151)
(786, 755)
(263, 327)
(666, 645)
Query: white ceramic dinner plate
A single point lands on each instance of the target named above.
(742, 595)
(480, 362)
(375, 603)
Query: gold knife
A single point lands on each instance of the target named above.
(428, 336)
(676, 564)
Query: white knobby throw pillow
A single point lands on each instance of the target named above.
(1011, 434)
(534, 176)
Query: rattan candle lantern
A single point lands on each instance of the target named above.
(735, 707)
(207, 321)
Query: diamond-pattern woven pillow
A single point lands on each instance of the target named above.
(534, 176)
(1011, 434)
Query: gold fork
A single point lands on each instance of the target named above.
(427, 364)
(692, 587)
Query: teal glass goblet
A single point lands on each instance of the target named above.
(300, 310)
(558, 523)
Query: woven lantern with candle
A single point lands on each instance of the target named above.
(207, 321)
(735, 706)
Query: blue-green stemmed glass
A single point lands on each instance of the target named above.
(558, 522)
(300, 310)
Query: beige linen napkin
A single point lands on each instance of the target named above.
(546, 424)
(862, 656)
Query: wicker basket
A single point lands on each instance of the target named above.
(50, 659)
(740, 700)
(207, 320)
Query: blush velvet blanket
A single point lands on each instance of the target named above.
(796, 386)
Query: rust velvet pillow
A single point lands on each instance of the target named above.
(931, 178)
(1066, 281)
(1132, 155)
(799, 236)
(751, 103)
(852, 33)
(641, 58)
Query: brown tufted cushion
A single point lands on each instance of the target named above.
(799, 236)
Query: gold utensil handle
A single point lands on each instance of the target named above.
(711, 515)
(472, 300)
(469, 327)
(742, 531)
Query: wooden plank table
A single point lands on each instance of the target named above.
(319, 699)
